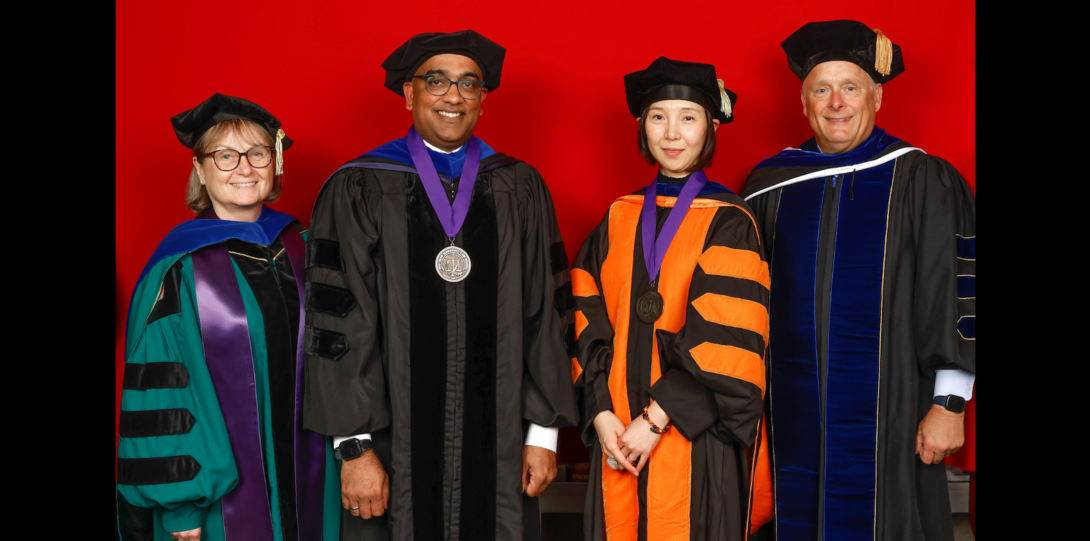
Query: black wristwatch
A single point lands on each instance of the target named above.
(951, 402)
(352, 448)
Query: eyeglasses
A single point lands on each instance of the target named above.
(438, 85)
(228, 159)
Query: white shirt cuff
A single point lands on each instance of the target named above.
(955, 382)
(338, 439)
(542, 436)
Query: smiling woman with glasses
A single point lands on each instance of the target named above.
(210, 442)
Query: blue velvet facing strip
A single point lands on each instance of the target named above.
(966, 248)
(967, 287)
(855, 324)
(796, 406)
(967, 327)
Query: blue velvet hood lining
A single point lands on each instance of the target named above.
(808, 154)
(195, 234)
(448, 165)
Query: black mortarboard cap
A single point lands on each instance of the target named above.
(667, 79)
(848, 41)
(192, 124)
(402, 64)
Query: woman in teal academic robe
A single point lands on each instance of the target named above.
(211, 444)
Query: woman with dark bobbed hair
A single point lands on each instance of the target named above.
(211, 440)
(671, 322)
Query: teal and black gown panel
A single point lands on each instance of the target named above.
(210, 430)
(446, 377)
(873, 290)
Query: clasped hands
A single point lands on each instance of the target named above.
(631, 447)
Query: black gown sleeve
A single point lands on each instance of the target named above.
(593, 332)
(548, 396)
(943, 215)
(345, 384)
(715, 379)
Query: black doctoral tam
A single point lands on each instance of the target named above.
(848, 41)
(402, 64)
(192, 124)
(667, 79)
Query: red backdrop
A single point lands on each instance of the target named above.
(561, 108)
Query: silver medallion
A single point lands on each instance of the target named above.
(453, 264)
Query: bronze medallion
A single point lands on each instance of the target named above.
(649, 306)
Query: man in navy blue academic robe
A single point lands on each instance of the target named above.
(872, 249)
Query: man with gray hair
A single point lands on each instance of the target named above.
(872, 249)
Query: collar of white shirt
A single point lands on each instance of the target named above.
(437, 149)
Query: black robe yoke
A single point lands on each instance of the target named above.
(873, 290)
(445, 376)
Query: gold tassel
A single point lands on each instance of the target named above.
(725, 108)
(279, 152)
(883, 53)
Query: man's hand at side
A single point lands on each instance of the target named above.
(941, 434)
(364, 485)
(538, 469)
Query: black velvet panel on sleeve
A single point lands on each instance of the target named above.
(322, 343)
(157, 470)
(324, 253)
(332, 300)
(149, 423)
(141, 377)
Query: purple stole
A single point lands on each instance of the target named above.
(226, 337)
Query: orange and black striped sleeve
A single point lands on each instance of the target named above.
(714, 366)
(593, 348)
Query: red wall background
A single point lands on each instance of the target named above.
(560, 107)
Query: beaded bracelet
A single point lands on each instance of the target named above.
(654, 428)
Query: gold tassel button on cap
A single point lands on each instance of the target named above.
(725, 108)
(883, 53)
(280, 152)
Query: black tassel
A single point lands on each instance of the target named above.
(851, 189)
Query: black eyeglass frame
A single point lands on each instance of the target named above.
(450, 83)
(240, 155)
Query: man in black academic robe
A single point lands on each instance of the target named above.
(452, 384)
(872, 249)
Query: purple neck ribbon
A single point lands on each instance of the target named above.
(451, 216)
(654, 250)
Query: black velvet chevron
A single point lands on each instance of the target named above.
(322, 343)
(324, 253)
(156, 470)
(332, 300)
(141, 377)
(149, 423)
